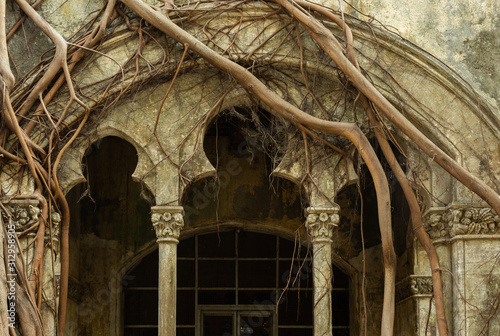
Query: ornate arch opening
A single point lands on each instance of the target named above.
(242, 144)
(110, 223)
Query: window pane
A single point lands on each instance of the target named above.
(287, 248)
(257, 274)
(216, 297)
(216, 273)
(185, 248)
(216, 245)
(185, 307)
(256, 245)
(185, 273)
(296, 275)
(217, 325)
(296, 308)
(258, 297)
(255, 324)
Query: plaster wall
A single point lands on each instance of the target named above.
(464, 34)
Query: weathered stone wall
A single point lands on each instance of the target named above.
(463, 34)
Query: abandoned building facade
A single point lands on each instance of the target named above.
(197, 210)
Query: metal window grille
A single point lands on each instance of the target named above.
(261, 283)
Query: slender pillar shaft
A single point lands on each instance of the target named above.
(320, 225)
(168, 222)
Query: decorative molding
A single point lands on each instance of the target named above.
(457, 220)
(56, 226)
(58, 284)
(414, 285)
(320, 223)
(168, 222)
(24, 212)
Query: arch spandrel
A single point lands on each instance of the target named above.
(329, 171)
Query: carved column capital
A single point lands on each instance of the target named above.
(321, 221)
(457, 219)
(23, 212)
(414, 285)
(168, 222)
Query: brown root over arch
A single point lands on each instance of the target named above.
(43, 170)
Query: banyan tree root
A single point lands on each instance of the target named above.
(416, 215)
(416, 219)
(295, 115)
(327, 41)
(33, 156)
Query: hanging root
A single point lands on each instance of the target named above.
(22, 120)
(416, 219)
(327, 41)
(295, 115)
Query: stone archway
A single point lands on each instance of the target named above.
(198, 93)
(111, 223)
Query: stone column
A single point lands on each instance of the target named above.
(168, 222)
(467, 237)
(320, 224)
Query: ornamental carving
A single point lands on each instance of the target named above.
(454, 221)
(320, 223)
(414, 286)
(167, 222)
(436, 227)
(56, 226)
(24, 213)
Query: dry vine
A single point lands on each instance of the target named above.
(36, 132)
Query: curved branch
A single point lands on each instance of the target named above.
(55, 65)
(6, 76)
(90, 41)
(332, 47)
(295, 115)
(64, 245)
(416, 219)
(36, 269)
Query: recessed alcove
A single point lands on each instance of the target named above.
(243, 189)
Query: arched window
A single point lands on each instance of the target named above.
(234, 282)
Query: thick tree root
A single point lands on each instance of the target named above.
(295, 115)
(44, 172)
